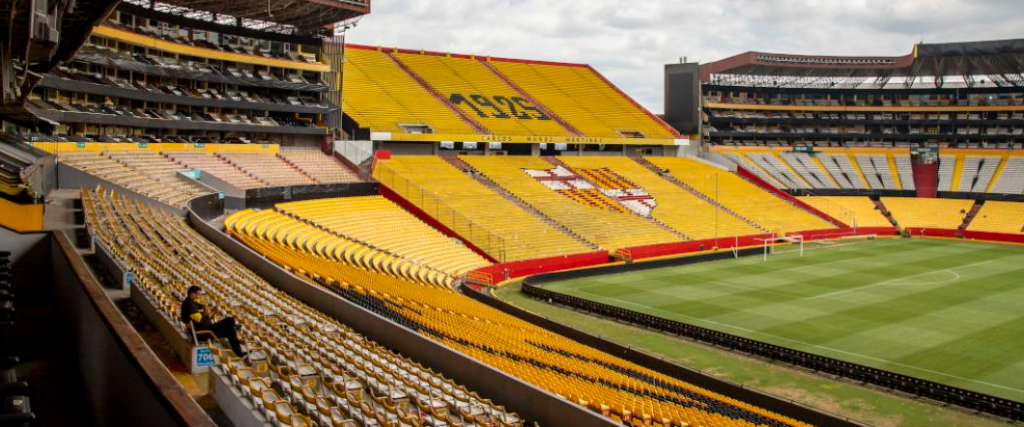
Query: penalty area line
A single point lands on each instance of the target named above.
(891, 281)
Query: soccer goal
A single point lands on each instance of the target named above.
(840, 242)
(771, 243)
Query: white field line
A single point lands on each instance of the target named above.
(890, 281)
(956, 276)
(752, 260)
(806, 344)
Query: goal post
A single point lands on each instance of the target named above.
(770, 243)
(832, 243)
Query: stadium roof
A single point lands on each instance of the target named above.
(302, 16)
(1001, 59)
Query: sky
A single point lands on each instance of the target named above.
(629, 41)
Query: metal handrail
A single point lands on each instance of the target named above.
(432, 204)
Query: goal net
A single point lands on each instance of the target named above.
(840, 242)
(770, 244)
(789, 244)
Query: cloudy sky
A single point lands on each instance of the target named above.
(629, 40)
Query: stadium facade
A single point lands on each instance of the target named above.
(956, 95)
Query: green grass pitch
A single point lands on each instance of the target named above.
(946, 311)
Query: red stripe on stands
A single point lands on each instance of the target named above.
(437, 95)
(788, 197)
(933, 232)
(994, 237)
(832, 233)
(423, 216)
(680, 248)
(518, 269)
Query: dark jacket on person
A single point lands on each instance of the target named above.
(194, 313)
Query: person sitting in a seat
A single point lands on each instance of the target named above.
(193, 312)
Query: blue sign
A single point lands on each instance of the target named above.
(195, 174)
(80, 145)
(220, 196)
(204, 357)
(143, 145)
(199, 144)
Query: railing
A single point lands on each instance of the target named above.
(354, 151)
(432, 204)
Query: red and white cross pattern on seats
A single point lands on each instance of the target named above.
(609, 191)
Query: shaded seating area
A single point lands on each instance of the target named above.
(15, 402)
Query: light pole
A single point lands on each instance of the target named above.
(717, 207)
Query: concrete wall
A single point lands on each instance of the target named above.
(18, 244)
(220, 185)
(125, 383)
(263, 198)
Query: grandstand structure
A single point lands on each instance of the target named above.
(189, 142)
(470, 102)
(343, 379)
(579, 204)
(162, 171)
(966, 95)
(977, 173)
(625, 392)
(191, 72)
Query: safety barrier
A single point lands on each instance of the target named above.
(994, 237)
(680, 248)
(497, 273)
(934, 232)
(809, 235)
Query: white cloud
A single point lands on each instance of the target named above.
(629, 41)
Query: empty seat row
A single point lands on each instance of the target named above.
(303, 368)
(363, 219)
(622, 390)
(474, 211)
(1011, 179)
(606, 228)
(999, 217)
(853, 211)
(146, 173)
(322, 168)
(928, 213)
(688, 213)
(740, 196)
